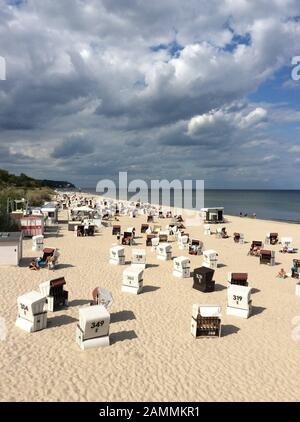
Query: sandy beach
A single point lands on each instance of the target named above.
(153, 356)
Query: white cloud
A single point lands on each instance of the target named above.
(225, 119)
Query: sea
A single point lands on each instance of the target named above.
(281, 205)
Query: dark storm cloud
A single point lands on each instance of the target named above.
(76, 145)
(156, 88)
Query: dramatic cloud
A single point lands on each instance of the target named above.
(161, 89)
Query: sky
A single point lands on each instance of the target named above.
(160, 89)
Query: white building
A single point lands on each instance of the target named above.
(11, 248)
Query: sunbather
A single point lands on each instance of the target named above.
(224, 234)
(34, 265)
(281, 273)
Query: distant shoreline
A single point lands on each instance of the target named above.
(278, 220)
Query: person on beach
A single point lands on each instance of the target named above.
(34, 265)
(294, 271)
(224, 233)
(281, 273)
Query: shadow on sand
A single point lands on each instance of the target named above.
(229, 329)
(148, 289)
(58, 321)
(79, 302)
(122, 335)
(122, 316)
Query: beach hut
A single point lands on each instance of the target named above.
(93, 328)
(31, 313)
(50, 212)
(206, 321)
(56, 296)
(11, 248)
(212, 215)
(239, 301)
(32, 225)
(132, 280)
(181, 267)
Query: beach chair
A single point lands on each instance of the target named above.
(203, 279)
(133, 280)
(31, 313)
(150, 219)
(93, 327)
(164, 251)
(219, 233)
(267, 257)
(239, 279)
(156, 229)
(90, 231)
(38, 243)
(53, 260)
(206, 321)
(79, 230)
(195, 247)
(210, 259)
(131, 230)
(295, 268)
(116, 229)
(149, 239)
(154, 243)
(56, 296)
(236, 237)
(117, 255)
(272, 239)
(144, 228)
(138, 258)
(239, 301)
(255, 248)
(183, 242)
(207, 229)
(127, 239)
(181, 267)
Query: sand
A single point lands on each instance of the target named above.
(153, 356)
